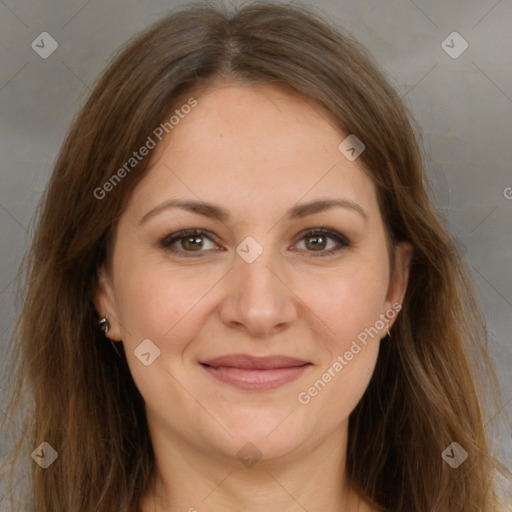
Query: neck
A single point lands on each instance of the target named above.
(191, 479)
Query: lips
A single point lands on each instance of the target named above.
(247, 362)
(255, 373)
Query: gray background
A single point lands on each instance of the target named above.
(463, 106)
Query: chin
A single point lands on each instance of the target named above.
(264, 435)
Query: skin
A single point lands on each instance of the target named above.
(256, 151)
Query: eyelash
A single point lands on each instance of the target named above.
(343, 242)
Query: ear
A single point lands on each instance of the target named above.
(399, 277)
(105, 304)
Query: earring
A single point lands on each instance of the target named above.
(389, 334)
(104, 324)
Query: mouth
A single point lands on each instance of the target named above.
(255, 373)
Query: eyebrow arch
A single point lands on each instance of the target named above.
(217, 212)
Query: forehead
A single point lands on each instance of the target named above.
(254, 115)
(253, 144)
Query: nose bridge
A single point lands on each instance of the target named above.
(258, 298)
(259, 286)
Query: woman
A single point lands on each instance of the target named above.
(240, 208)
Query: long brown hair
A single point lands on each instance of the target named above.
(71, 389)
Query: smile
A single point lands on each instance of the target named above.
(255, 373)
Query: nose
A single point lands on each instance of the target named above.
(258, 299)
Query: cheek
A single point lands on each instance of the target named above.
(155, 301)
(350, 337)
(333, 395)
(350, 303)
(350, 342)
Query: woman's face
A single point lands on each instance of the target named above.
(300, 312)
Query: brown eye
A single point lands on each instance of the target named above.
(193, 242)
(187, 241)
(318, 240)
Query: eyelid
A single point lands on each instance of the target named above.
(323, 230)
(171, 238)
(339, 238)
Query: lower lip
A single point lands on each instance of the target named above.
(256, 380)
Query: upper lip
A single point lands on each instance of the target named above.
(248, 362)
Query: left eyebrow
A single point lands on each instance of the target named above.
(211, 210)
(302, 210)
